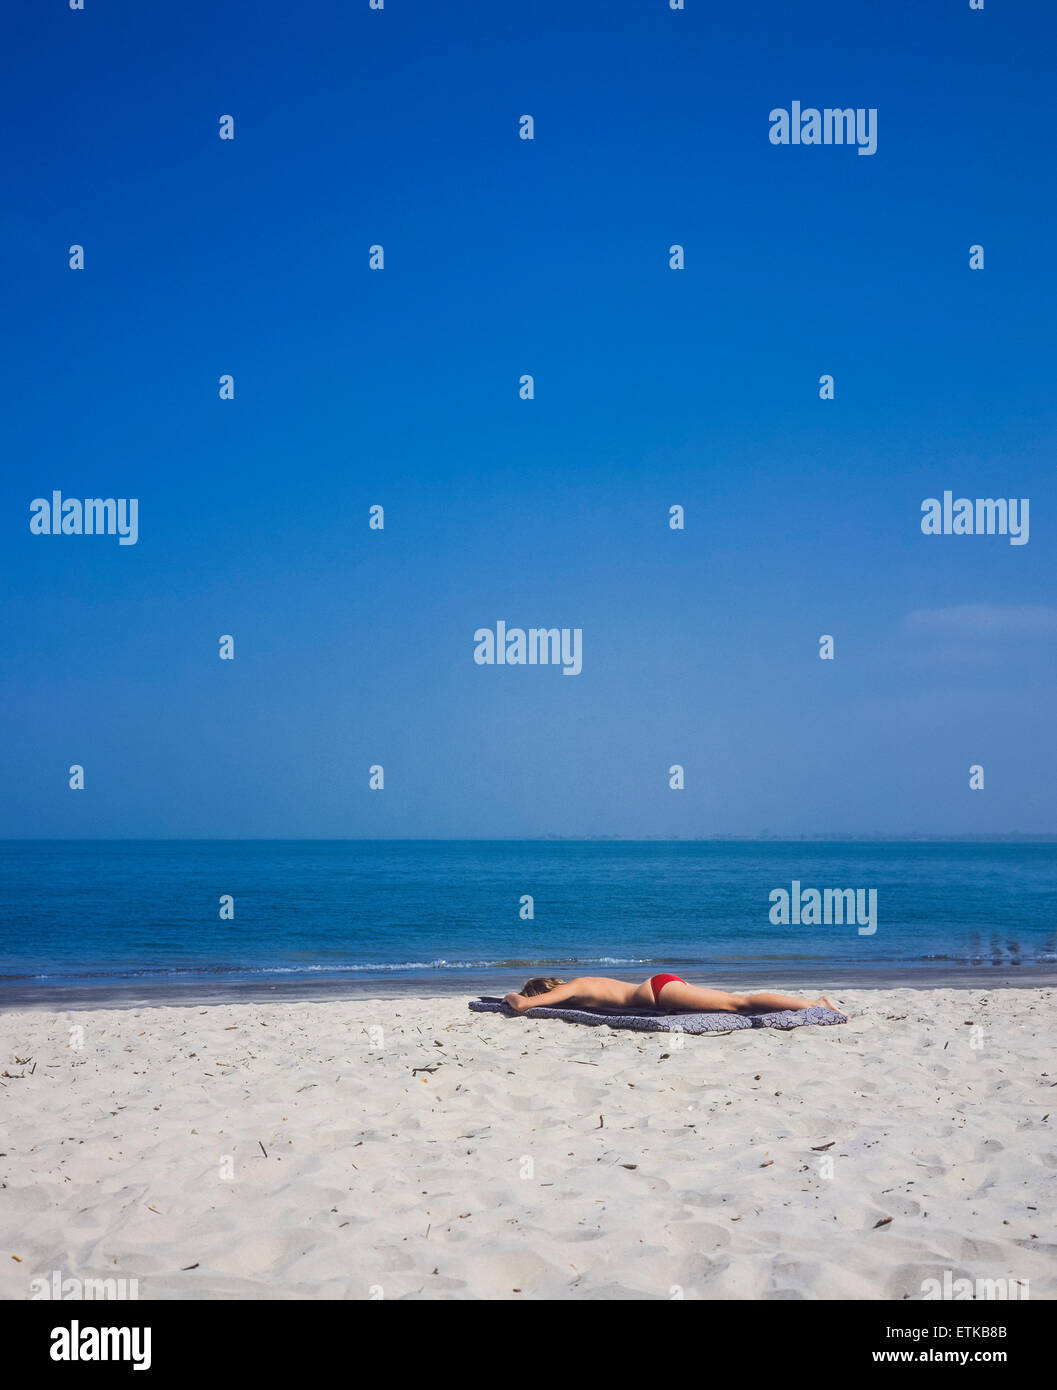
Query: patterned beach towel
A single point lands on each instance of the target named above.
(648, 1021)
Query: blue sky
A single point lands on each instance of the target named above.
(653, 387)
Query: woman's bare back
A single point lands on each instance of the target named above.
(599, 992)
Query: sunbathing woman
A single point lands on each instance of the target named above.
(669, 993)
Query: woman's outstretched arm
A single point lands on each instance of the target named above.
(523, 1002)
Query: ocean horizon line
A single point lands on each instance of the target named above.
(836, 837)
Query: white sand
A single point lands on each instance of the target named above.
(538, 1159)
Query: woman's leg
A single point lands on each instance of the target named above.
(678, 995)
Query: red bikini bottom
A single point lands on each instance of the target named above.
(658, 982)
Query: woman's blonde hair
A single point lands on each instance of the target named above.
(542, 984)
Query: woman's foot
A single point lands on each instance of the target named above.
(828, 1003)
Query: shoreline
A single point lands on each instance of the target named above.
(470, 984)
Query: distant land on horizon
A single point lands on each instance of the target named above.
(843, 837)
(998, 837)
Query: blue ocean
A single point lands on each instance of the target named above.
(430, 915)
